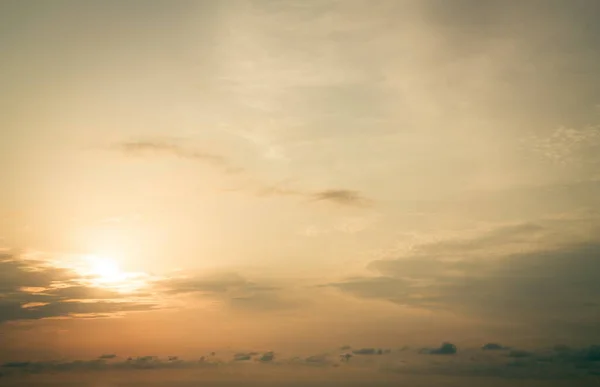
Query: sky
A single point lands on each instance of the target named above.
(298, 193)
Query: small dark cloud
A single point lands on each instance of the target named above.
(493, 347)
(368, 351)
(341, 196)
(242, 356)
(107, 356)
(444, 349)
(338, 196)
(267, 357)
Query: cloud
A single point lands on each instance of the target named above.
(17, 272)
(107, 356)
(493, 347)
(216, 284)
(34, 289)
(444, 349)
(368, 351)
(318, 360)
(540, 363)
(267, 357)
(161, 147)
(232, 289)
(527, 273)
(386, 288)
(568, 145)
(243, 356)
(341, 196)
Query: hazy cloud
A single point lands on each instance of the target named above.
(569, 145)
(169, 148)
(232, 289)
(158, 147)
(34, 289)
(388, 288)
(528, 275)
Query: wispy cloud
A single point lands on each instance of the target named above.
(233, 291)
(259, 188)
(145, 147)
(568, 145)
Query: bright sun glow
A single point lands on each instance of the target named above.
(105, 269)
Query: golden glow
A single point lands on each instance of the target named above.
(105, 270)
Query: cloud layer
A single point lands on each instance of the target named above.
(558, 362)
(34, 289)
(524, 273)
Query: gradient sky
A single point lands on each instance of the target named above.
(185, 177)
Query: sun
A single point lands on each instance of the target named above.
(105, 269)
